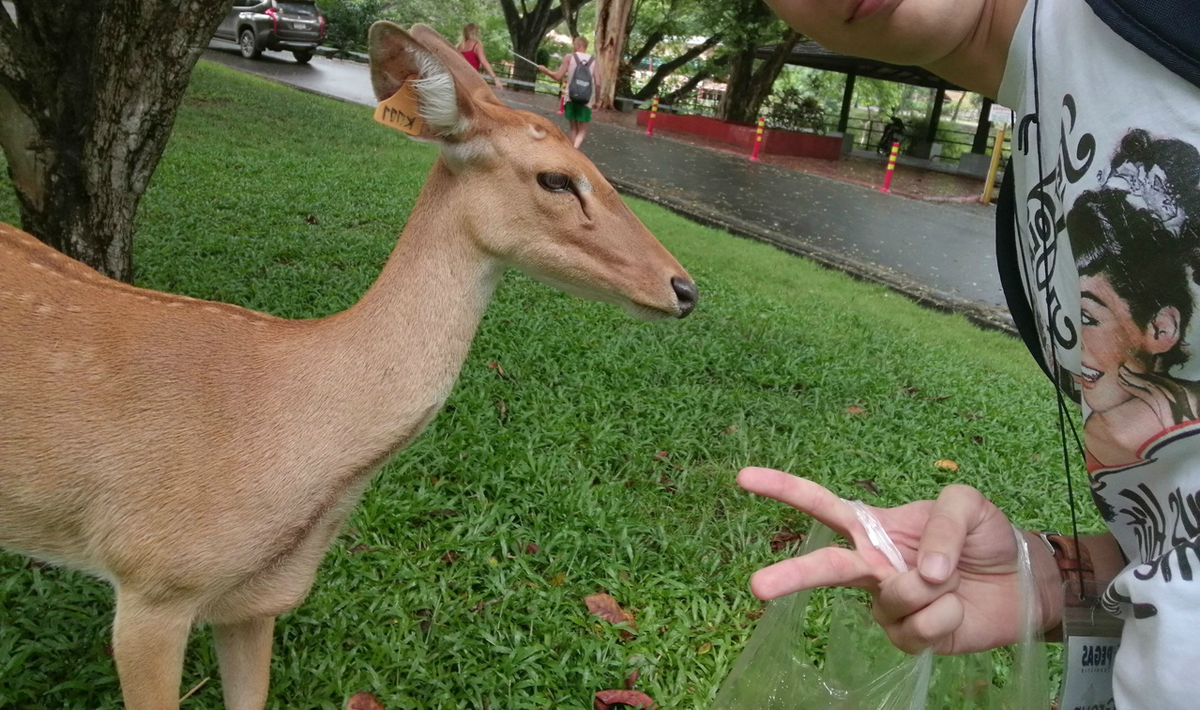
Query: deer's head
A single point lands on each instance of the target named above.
(527, 196)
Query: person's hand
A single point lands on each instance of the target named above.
(499, 84)
(961, 593)
(1174, 401)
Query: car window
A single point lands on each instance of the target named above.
(303, 9)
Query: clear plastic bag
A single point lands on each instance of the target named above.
(861, 669)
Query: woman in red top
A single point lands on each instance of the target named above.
(472, 51)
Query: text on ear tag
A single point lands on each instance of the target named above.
(399, 110)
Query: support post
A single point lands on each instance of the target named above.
(847, 99)
(986, 198)
(758, 139)
(653, 113)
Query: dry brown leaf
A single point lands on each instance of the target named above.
(606, 699)
(784, 539)
(855, 411)
(946, 465)
(607, 608)
(868, 484)
(631, 679)
(731, 429)
(493, 365)
(531, 548)
(363, 701)
(704, 648)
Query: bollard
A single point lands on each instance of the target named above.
(562, 97)
(758, 139)
(986, 198)
(653, 113)
(891, 168)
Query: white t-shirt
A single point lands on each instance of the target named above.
(1107, 228)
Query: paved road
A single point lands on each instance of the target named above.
(940, 254)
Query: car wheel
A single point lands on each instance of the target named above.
(249, 45)
(302, 55)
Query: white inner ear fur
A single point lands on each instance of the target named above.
(437, 96)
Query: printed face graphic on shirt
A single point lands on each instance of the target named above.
(1131, 243)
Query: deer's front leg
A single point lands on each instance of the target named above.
(149, 641)
(244, 655)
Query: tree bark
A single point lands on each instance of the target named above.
(748, 87)
(88, 96)
(612, 27)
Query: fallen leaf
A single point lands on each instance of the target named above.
(855, 410)
(946, 465)
(502, 407)
(607, 608)
(662, 455)
(868, 484)
(732, 428)
(784, 539)
(606, 699)
(704, 648)
(558, 579)
(531, 548)
(631, 679)
(363, 701)
(493, 365)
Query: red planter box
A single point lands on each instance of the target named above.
(742, 135)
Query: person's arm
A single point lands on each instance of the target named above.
(486, 65)
(562, 68)
(963, 41)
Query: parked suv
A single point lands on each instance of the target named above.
(286, 25)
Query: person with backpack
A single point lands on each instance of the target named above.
(1098, 242)
(583, 86)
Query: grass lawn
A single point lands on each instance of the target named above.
(603, 458)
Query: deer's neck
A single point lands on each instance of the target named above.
(377, 373)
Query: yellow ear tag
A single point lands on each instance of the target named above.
(399, 110)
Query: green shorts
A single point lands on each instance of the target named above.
(577, 112)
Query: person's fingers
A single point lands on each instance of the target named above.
(803, 495)
(957, 510)
(903, 595)
(827, 567)
(933, 625)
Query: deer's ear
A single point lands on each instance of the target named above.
(444, 94)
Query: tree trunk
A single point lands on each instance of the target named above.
(612, 27)
(748, 88)
(528, 27)
(88, 95)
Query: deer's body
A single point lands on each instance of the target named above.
(201, 456)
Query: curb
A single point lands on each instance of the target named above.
(987, 317)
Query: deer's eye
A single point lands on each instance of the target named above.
(554, 182)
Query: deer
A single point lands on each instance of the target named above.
(202, 457)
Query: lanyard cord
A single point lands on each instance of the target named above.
(1064, 417)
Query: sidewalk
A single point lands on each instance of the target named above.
(941, 255)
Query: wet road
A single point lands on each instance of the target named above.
(940, 254)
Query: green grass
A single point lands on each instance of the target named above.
(431, 598)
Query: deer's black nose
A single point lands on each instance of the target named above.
(687, 293)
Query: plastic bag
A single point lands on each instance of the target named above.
(862, 670)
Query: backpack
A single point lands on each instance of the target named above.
(579, 89)
(1166, 30)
